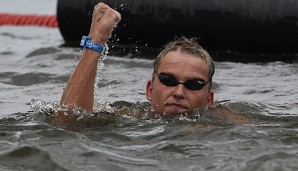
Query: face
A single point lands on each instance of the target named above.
(176, 99)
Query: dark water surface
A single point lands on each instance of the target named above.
(34, 70)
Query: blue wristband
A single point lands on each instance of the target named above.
(86, 42)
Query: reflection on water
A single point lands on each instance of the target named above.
(122, 134)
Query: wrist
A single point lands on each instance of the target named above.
(97, 39)
(88, 43)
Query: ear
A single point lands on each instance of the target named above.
(210, 98)
(149, 90)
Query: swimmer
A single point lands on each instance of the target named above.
(181, 79)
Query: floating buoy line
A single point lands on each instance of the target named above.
(28, 20)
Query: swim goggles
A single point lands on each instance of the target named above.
(171, 81)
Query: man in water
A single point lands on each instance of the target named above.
(181, 80)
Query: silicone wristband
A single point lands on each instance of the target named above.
(86, 42)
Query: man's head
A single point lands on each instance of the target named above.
(181, 60)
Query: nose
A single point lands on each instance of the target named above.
(179, 92)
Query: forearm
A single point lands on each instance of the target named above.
(79, 91)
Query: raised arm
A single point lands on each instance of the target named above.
(79, 90)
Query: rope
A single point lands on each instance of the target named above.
(28, 19)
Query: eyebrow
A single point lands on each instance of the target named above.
(186, 78)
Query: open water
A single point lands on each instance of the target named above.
(34, 69)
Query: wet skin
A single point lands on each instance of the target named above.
(178, 99)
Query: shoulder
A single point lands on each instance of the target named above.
(228, 114)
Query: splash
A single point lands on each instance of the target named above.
(98, 78)
(40, 106)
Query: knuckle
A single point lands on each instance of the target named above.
(100, 3)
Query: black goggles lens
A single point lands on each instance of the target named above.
(171, 81)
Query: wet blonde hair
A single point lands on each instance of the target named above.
(188, 46)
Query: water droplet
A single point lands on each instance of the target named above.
(100, 66)
(121, 6)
